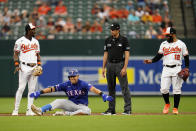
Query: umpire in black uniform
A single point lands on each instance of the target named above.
(115, 60)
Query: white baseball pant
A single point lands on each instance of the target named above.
(170, 77)
(70, 107)
(25, 75)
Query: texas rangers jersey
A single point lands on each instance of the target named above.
(28, 49)
(173, 52)
(77, 93)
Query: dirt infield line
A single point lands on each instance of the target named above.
(96, 114)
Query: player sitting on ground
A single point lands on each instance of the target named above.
(77, 92)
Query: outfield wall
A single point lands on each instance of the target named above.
(143, 79)
(63, 54)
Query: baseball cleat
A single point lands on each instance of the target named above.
(36, 110)
(126, 113)
(109, 113)
(175, 111)
(15, 113)
(166, 108)
(29, 113)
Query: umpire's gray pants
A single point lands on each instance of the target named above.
(113, 71)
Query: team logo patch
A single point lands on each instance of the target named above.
(109, 45)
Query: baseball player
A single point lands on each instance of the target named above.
(172, 50)
(26, 58)
(77, 92)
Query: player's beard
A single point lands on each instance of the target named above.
(170, 39)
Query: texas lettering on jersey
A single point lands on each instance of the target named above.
(167, 51)
(75, 92)
(29, 47)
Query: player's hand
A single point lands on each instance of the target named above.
(103, 72)
(123, 72)
(17, 69)
(107, 98)
(148, 61)
(35, 94)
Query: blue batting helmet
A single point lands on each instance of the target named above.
(73, 72)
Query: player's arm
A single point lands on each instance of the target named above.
(126, 59)
(16, 61)
(186, 61)
(38, 59)
(124, 69)
(99, 92)
(105, 57)
(95, 90)
(47, 90)
(153, 60)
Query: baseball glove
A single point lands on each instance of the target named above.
(37, 71)
(184, 74)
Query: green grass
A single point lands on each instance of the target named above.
(181, 122)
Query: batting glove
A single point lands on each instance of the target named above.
(107, 98)
(35, 94)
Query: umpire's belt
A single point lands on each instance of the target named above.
(171, 66)
(29, 64)
(115, 61)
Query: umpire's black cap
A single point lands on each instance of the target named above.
(114, 26)
(29, 26)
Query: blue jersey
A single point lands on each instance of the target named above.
(77, 93)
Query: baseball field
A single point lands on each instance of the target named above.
(146, 116)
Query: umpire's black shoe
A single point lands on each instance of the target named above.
(126, 113)
(108, 112)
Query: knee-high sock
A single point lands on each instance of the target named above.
(45, 108)
(166, 98)
(176, 100)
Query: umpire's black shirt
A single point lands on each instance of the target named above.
(116, 48)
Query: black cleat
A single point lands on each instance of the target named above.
(108, 112)
(126, 113)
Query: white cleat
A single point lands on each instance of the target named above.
(30, 113)
(15, 113)
(36, 110)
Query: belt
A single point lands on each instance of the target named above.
(171, 66)
(115, 61)
(29, 64)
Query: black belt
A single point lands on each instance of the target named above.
(29, 64)
(171, 66)
(115, 61)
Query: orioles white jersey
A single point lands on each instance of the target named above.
(173, 52)
(27, 49)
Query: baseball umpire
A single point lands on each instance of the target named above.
(77, 92)
(26, 59)
(172, 52)
(115, 60)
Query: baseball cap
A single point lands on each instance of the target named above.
(170, 30)
(114, 26)
(29, 26)
(73, 72)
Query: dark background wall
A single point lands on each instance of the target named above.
(139, 47)
(71, 48)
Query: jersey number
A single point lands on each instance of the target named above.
(177, 57)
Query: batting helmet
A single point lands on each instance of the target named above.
(73, 72)
(29, 26)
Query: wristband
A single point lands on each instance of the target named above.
(100, 93)
(39, 63)
(16, 63)
(41, 92)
